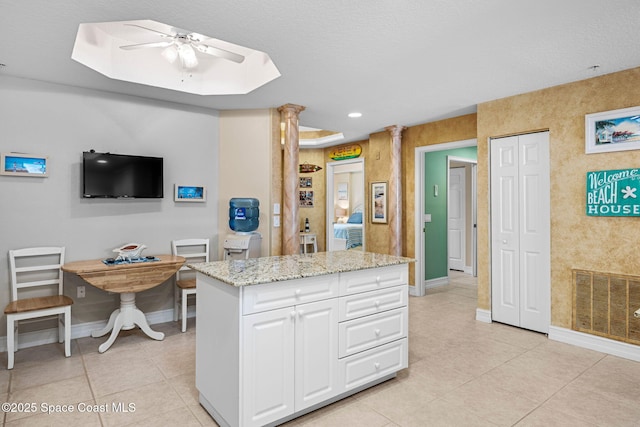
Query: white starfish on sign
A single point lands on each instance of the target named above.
(629, 192)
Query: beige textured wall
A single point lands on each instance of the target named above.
(577, 241)
(245, 143)
(316, 214)
(377, 168)
(449, 130)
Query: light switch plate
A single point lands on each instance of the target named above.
(276, 220)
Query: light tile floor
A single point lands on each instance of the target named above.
(462, 373)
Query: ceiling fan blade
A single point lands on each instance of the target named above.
(215, 51)
(145, 45)
(152, 30)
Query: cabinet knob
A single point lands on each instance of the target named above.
(376, 365)
(298, 291)
(378, 279)
(300, 313)
(293, 314)
(377, 332)
(377, 303)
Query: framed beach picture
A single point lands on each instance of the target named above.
(379, 202)
(19, 164)
(189, 193)
(616, 130)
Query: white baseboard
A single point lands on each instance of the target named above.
(483, 315)
(48, 336)
(438, 281)
(428, 284)
(581, 339)
(594, 342)
(468, 269)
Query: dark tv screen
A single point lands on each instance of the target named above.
(106, 175)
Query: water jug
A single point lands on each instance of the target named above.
(243, 214)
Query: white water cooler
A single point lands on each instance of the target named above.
(242, 245)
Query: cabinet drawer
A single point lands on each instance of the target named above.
(366, 303)
(270, 296)
(368, 366)
(364, 333)
(353, 282)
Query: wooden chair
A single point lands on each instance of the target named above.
(194, 250)
(31, 277)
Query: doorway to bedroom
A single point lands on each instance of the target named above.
(345, 205)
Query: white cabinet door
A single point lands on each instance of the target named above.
(316, 352)
(520, 229)
(290, 359)
(267, 366)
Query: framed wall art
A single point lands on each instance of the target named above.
(190, 193)
(306, 199)
(19, 164)
(306, 182)
(616, 130)
(379, 202)
(343, 191)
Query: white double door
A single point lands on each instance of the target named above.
(520, 231)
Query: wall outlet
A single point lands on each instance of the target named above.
(81, 293)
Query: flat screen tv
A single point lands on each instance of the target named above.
(106, 175)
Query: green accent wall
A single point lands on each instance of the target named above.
(436, 251)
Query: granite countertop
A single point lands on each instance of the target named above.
(254, 271)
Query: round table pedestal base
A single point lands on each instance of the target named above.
(127, 317)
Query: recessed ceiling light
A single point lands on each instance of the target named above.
(355, 115)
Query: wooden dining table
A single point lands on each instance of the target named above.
(126, 279)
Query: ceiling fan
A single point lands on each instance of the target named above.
(183, 46)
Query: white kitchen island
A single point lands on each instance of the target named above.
(277, 337)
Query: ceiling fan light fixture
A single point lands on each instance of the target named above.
(170, 54)
(139, 52)
(187, 56)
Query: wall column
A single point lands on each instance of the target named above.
(395, 191)
(290, 168)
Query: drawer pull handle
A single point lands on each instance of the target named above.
(377, 332)
(376, 365)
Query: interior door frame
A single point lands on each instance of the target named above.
(329, 205)
(419, 191)
(474, 213)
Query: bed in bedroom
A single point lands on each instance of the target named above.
(349, 234)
